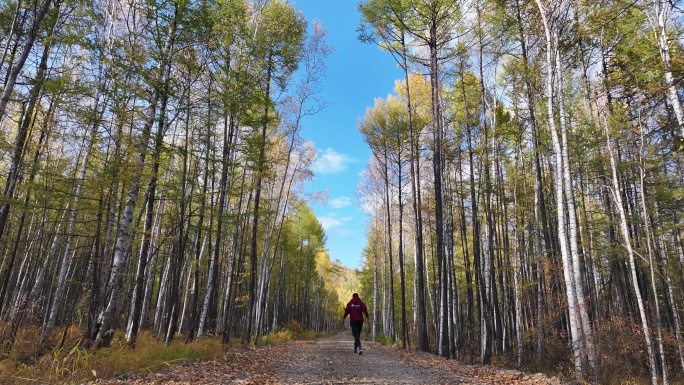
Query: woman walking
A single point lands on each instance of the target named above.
(356, 309)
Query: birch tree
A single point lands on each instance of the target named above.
(278, 42)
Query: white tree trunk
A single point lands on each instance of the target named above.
(129, 324)
(573, 317)
(40, 276)
(415, 283)
(675, 311)
(281, 199)
(586, 334)
(151, 265)
(632, 265)
(21, 294)
(161, 294)
(19, 65)
(649, 247)
(383, 279)
(57, 299)
(124, 236)
(375, 284)
(517, 292)
(663, 9)
(134, 298)
(210, 288)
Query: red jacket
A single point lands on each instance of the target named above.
(356, 309)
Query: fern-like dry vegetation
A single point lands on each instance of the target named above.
(68, 360)
(72, 362)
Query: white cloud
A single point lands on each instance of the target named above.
(328, 222)
(330, 162)
(331, 220)
(340, 202)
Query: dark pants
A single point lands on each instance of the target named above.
(356, 327)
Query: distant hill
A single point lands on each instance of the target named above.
(344, 280)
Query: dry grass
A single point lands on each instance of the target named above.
(74, 364)
(293, 331)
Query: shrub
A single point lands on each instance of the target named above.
(306, 335)
(383, 339)
(621, 348)
(276, 337)
(294, 326)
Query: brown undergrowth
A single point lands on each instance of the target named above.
(65, 359)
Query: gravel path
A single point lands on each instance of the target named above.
(330, 361)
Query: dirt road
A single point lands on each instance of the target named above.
(331, 361)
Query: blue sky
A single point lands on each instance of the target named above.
(357, 74)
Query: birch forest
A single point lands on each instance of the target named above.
(525, 189)
(152, 171)
(524, 195)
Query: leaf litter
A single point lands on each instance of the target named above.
(330, 361)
